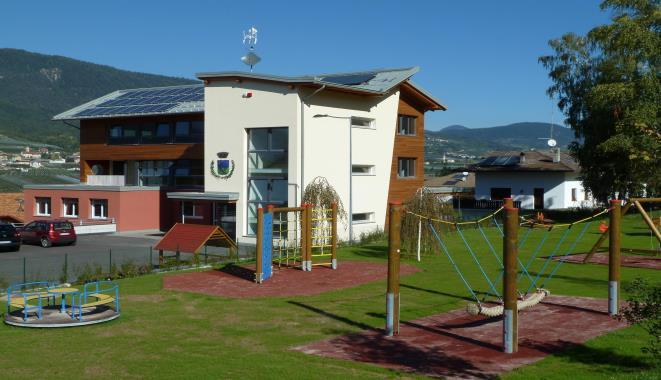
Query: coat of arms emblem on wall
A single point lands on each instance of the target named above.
(223, 167)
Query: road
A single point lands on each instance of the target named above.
(95, 250)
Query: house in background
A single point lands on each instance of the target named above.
(215, 153)
(538, 180)
(452, 185)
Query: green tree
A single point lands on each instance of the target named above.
(607, 85)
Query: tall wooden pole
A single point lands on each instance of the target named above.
(260, 236)
(510, 252)
(614, 257)
(392, 295)
(334, 236)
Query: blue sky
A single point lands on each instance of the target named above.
(478, 57)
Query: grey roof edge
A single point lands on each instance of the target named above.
(427, 94)
(85, 187)
(69, 114)
(312, 79)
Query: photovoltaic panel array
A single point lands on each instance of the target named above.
(500, 161)
(349, 80)
(146, 101)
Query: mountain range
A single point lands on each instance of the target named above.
(35, 87)
(477, 141)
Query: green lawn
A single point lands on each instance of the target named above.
(166, 334)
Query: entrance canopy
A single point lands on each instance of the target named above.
(191, 238)
(204, 196)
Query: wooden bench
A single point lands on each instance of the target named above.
(19, 301)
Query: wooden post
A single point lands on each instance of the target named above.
(258, 251)
(308, 236)
(334, 236)
(614, 257)
(161, 258)
(604, 235)
(392, 295)
(510, 252)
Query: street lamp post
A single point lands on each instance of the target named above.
(350, 170)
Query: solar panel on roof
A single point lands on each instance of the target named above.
(349, 80)
(146, 101)
(500, 161)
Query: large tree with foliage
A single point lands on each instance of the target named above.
(607, 83)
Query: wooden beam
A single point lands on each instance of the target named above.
(603, 237)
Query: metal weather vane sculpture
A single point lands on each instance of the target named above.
(250, 40)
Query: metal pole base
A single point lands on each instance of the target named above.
(613, 308)
(508, 331)
(334, 263)
(390, 314)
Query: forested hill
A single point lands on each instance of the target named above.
(35, 87)
(475, 141)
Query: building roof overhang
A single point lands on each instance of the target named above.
(204, 196)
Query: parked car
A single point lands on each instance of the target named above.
(49, 232)
(10, 238)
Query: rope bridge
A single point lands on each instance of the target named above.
(536, 290)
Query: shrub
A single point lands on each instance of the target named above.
(644, 309)
(372, 236)
(426, 204)
(128, 269)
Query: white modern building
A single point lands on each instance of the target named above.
(539, 180)
(215, 153)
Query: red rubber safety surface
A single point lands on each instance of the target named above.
(238, 282)
(457, 345)
(631, 261)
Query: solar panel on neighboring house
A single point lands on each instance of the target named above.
(500, 161)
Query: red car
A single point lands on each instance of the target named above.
(49, 232)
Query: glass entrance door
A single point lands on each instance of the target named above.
(224, 216)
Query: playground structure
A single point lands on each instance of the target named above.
(36, 304)
(193, 239)
(295, 237)
(512, 268)
(653, 224)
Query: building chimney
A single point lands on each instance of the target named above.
(522, 158)
(556, 156)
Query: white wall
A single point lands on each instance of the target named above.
(228, 113)
(327, 153)
(557, 188)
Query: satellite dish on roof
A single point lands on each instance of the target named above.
(551, 143)
(250, 40)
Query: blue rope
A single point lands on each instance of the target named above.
(456, 268)
(536, 251)
(493, 251)
(493, 288)
(548, 259)
(497, 225)
(571, 249)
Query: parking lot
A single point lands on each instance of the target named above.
(33, 262)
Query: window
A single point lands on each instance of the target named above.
(190, 210)
(586, 195)
(43, 206)
(187, 131)
(362, 122)
(70, 207)
(406, 167)
(268, 162)
(362, 169)
(155, 133)
(99, 208)
(406, 125)
(574, 197)
(362, 217)
(500, 193)
(124, 134)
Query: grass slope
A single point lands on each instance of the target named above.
(166, 334)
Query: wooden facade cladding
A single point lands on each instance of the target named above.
(94, 147)
(402, 189)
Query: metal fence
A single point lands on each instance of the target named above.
(111, 263)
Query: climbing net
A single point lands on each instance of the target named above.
(478, 238)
